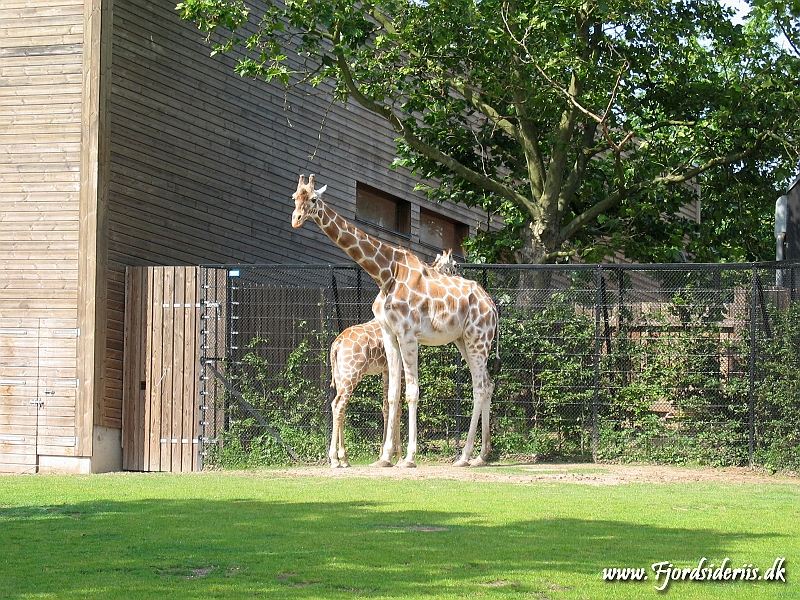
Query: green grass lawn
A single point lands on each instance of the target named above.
(267, 535)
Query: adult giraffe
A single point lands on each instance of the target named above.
(359, 351)
(416, 305)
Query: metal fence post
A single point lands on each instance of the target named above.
(201, 387)
(597, 343)
(458, 404)
(752, 366)
(230, 345)
(329, 308)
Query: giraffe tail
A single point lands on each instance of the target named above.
(332, 387)
(496, 363)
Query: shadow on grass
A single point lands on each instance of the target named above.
(229, 549)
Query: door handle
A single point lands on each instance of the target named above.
(38, 402)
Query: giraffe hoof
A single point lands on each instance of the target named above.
(344, 465)
(461, 462)
(407, 464)
(382, 463)
(477, 462)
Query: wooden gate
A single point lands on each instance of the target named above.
(161, 369)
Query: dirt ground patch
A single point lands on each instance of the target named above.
(578, 473)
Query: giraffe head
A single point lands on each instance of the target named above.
(305, 200)
(445, 263)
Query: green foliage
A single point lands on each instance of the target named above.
(673, 404)
(291, 400)
(777, 391)
(586, 126)
(542, 400)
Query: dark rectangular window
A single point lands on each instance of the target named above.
(383, 209)
(441, 232)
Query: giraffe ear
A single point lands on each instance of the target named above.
(320, 191)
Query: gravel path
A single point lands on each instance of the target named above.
(586, 474)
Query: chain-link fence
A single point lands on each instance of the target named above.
(659, 363)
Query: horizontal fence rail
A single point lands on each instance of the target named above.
(659, 363)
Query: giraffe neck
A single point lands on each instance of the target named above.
(373, 255)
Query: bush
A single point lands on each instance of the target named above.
(669, 386)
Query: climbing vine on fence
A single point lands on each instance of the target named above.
(686, 380)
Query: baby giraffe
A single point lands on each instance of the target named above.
(359, 351)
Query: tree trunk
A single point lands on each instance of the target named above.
(534, 283)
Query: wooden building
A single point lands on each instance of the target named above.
(122, 143)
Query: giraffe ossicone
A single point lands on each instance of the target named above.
(416, 305)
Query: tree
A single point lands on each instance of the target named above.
(739, 198)
(586, 124)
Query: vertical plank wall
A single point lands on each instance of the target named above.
(161, 369)
(41, 61)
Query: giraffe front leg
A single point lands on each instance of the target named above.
(410, 354)
(392, 406)
(397, 452)
(390, 434)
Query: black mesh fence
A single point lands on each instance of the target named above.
(692, 364)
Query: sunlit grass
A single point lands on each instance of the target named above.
(268, 535)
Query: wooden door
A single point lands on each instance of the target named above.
(37, 391)
(19, 372)
(56, 388)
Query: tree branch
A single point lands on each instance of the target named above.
(786, 35)
(529, 136)
(477, 102)
(429, 151)
(559, 153)
(613, 199)
(575, 177)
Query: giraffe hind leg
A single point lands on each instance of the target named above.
(336, 452)
(482, 388)
(486, 446)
